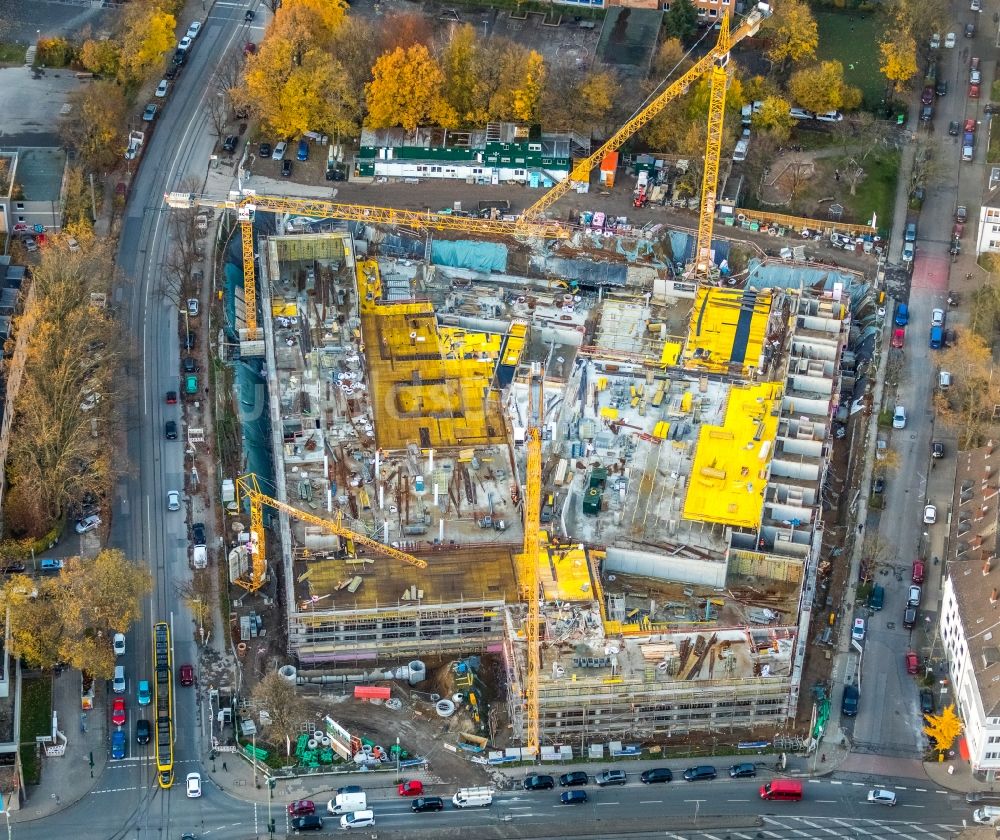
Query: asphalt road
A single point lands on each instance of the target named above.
(709, 810)
(889, 721)
(128, 802)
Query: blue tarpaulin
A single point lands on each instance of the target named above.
(486, 257)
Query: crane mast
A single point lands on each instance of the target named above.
(529, 578)
(713, 152)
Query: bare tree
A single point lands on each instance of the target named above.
(280, 709)
(185, 252)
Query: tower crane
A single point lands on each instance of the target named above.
(247, 486)
(719, 53)
(713, 152)
(529, 576)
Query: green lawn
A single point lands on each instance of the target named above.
(36, 719)
(12, 53)
(877, 191)
(852, 39)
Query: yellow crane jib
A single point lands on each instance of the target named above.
(375, 215)
(249, 486)
(646, 113)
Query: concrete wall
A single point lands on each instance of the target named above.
(681, 569)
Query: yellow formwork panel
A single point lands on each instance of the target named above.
(424, 397)
(285, 309)
(718, 325)
(671, 353)
(563, 572)
(729, 472)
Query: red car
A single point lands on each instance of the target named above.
(918, 571)
(185, 674)
(301, 808)
(898, 337)
(970, 125)
(912, 663)
(411, 788)
(171, 398)
(118, 711)
(973, 91)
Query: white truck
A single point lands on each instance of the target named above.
(346, 803)
(474, 797)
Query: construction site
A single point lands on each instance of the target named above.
(509, 439)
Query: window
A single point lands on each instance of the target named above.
(19, 205)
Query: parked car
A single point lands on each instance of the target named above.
(88, 523)
(189, 365)
(279, 151)
(264, 151)
(926, 703)
(973, 91)
(908, 252)
(898, 338)
(917, 573)
(229, 144)
(656, 775)
(539, 782)
(937, 317)
(198, 533)
(913, 596)
(149, 114)
(701, 773)
(909, 617)
(185, 675)
(930, 514)
(970, 30)
(193, 307)
(194, 29)
(50, 565)
(961, 213)
(743, 771)
(286, 168)
(161, 88)
(858, 630)
(899, 417)
(912, 662)
(941, 88)
(184, 44)
(574, 779)
(935, 41)
(949, 40)
(849, 702)
(937, 449)
(303, 150)
(173, 500)
(610, 777)
(170, 430)
(118, 644)
(927, 95)
(414, 787)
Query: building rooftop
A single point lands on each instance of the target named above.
(973, 567)
(473, 139)
(38, 174)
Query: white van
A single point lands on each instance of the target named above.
(474, 797)
(345, 803)
(199, 559)
(944, 380)
(740, 152)
(357, 819)
(118, 683)
(987, 815)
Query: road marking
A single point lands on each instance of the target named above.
(858, 784)
(118, 790)
(921, 790)
(651, 801)
(737, 800)
(607, 803)
(815, 781)
(835, 783)
(914, 806)
(519, 808)
(900, 787)
(826, 801)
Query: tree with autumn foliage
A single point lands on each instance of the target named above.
(407, 89)
(792, 33)
(943, 729)
(147, 37)
(71, 617)
(64, 409)
(773, 116)
(821, 88)
(101, 56)
(95, 125)
(967, 406)
(899, 57)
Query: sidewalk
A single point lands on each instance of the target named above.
(65, 779)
